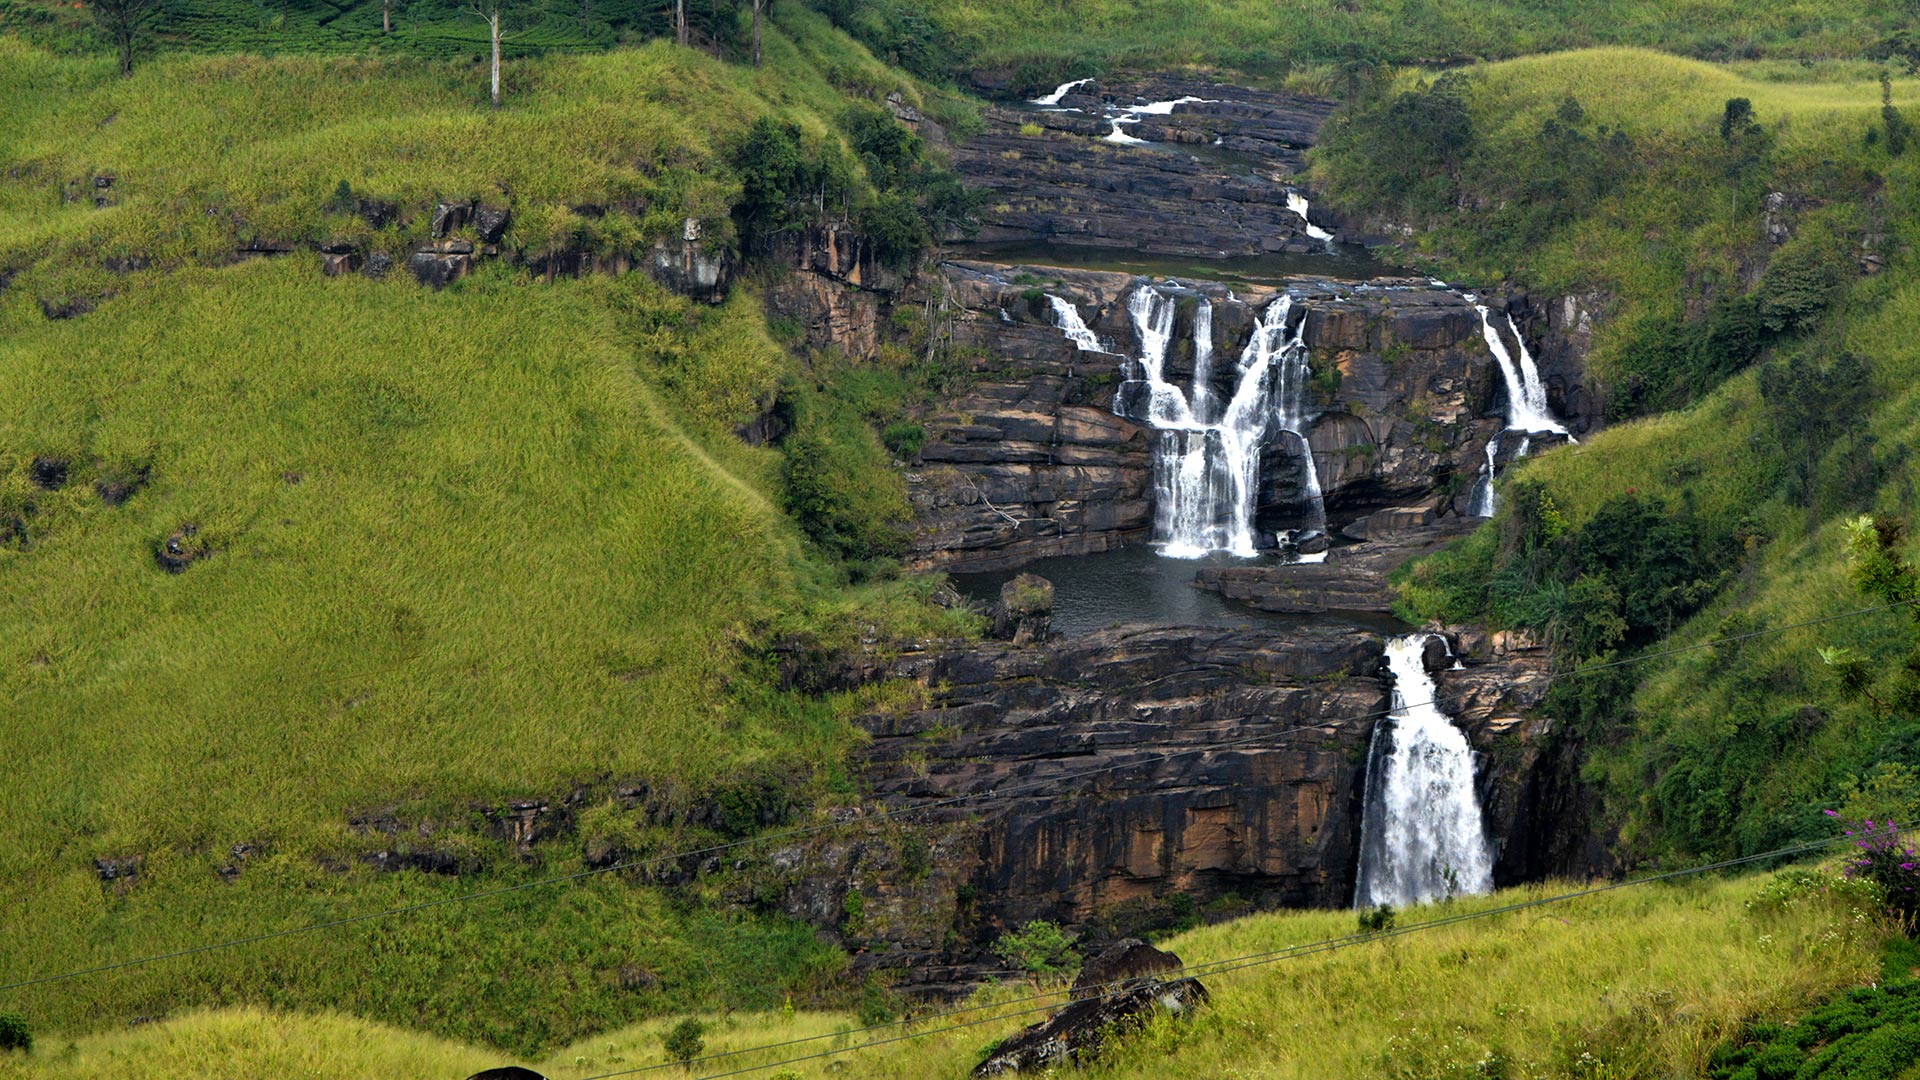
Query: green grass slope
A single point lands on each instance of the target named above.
(1644, 982)
(450, 549)
(1724, 515)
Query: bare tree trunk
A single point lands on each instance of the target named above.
(493, 20)
(126, 54)
(758, 5)
(680, 19)
(386, 16)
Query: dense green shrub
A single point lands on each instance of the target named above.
(1041, 949)
(14, 1032)
(685, 1040)
(1870, 1034)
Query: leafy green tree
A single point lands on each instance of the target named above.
(125, 22)
(685, 1041)
(1811, 408)
(1042, 949)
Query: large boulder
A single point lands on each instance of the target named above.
(1108, 1002)
(1024, 614)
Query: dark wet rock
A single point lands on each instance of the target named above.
(1067, 185)
(523, 824)
(377, 213)
(121, 868)
(1024, 613)
(49, 473)
(1120, 964)
(1080, 1029)
(65, 307)
(1038, 455)
(180, 550)
(507, 1072)
(266, 246)
(1353, 578)
(425, 861)
(126, 264)
(339, 263)
(448, 217)
(490, 223)
(1435, 656)
(377, 265)
(690, 267)
(442, 263)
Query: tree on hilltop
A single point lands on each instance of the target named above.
(124, 22)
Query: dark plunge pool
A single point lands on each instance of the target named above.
(1134, 584)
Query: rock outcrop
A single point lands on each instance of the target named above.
(1210, 185)
(1031, 460)
(1117, 992)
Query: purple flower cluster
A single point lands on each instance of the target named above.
(1882, 856)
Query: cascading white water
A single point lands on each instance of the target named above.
(1527, 410)
(1067, 318)
(1060, 92)
(1297, 203)
(1422, 837)
(1133, 113)
(1207, 464)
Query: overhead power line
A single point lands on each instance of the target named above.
(1203, 970)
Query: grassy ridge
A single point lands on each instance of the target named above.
(1041, 43)
(1730, 749)
(1644, 982)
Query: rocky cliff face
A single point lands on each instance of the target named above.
(1207, 186)
(1032, 461)
(1137, 777)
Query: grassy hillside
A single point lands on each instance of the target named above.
(1791, 371)
(1644, 982)
(1040, 43)
(444, 550)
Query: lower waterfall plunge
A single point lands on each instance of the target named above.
(1421, 833)
(1206, 467)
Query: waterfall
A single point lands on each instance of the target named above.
(1207, 462)
(1297, 203)
(1060, 92)
(1067, 318)
(1527, 410)
(1421, 833)
(1133, 113)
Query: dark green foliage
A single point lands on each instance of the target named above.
(14, 1032)
(878, 1005)
(1810, 409)
(127, 24)
(787, 181)
(751, 805)
(685, 1040)
(1376, 920)
(1802, 281)
(905, 439)
(918, 200)
(1736, 119)
(827, 480)
(899, 32)
(1406, 150)
(1040, 948)
(1895, 125)
(1870, 1034)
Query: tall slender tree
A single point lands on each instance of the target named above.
(758, 7)
(386, 16)
(124, 22)
(680, 20)
(489, 10)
